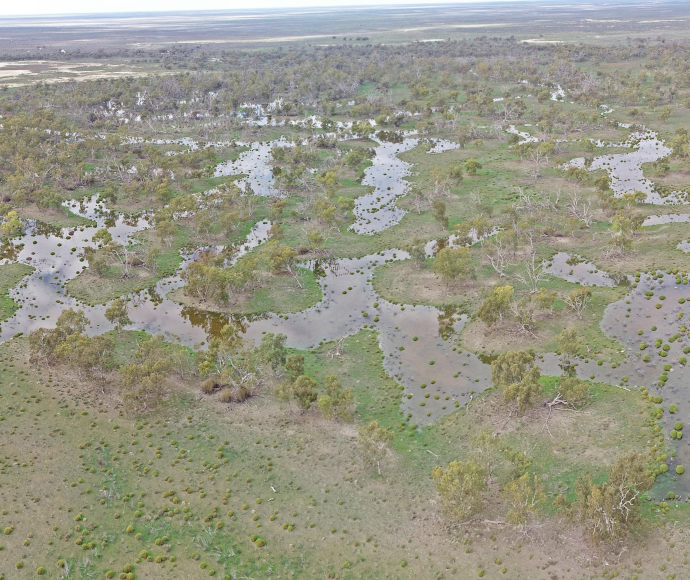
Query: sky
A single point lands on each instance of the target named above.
(32, 7)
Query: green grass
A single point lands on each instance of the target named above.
(10, 276)
(68, 448)
(359, 367)
(280, 294)
(91, 288)
(104, 471)
(588, 328)
(616, 424)
(562, 447)
(53, 217)
(286, 294)
(576, 444)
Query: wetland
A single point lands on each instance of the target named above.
(381, 306)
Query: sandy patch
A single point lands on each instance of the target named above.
(540, 41)
(14, 73)
(485, 25)
(658, 21)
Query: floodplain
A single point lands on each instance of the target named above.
(406, 297)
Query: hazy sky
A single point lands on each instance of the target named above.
(8, 7)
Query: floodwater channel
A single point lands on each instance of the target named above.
(416, 349)
(256, 164)
(577, 270)
(625, 169)
(376, 211)
(57, 257)
(669, 218)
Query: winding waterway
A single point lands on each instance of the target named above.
(625, 169)
(376, 211)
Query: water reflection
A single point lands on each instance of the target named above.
(668, 218)
(256, 164)
(578, 270)
(415, 340)
(625, 169)
(56, 255)
(376, 211)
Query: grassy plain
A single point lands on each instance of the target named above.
(182, 492)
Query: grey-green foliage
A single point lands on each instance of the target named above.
(518, 375)
(336, 402)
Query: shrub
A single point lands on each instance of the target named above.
(209, 386)
(242, 393)
(680, 470)
(574, 391)
(461, 486)
(225, 395)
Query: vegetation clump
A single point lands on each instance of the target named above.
(518, 375)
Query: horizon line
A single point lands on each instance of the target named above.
(396, 4)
